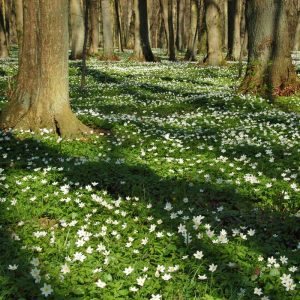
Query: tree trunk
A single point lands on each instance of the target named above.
(94, 32)
(297, 36)
(3, 32)
(18, 9)
(179, 31)
(119, 27)
(142, 49)
(171, 43)
(235, 21)
(41, 100)
(77, 29)
(164, 15)
(107, 23)
(269, 71)
(214, 36)
(191, 49)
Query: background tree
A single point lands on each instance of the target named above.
(142, 49)
(236, 10)
(214, 35)
(77, 29)
(3, 31)
(269, 71)
(192, 34)
(94, 26)
(41, 100)
(107, 24)
(18, 11)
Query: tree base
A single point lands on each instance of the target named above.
(64, 123)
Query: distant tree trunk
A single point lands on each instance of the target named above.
(3, 32)
(269, 71)
(214, 37)
(179, 31)
(164, 15)
(171, 43)
(41, 100)
(192, 39)
(107, 22)
(94, 31)
(18, 9)
(235, 22)
(142, 49)
(118, 23)
(297, 36)
(225, 24)
(77, 29)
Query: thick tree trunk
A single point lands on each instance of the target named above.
(77, 29)
(142, 49)
(94, 32)
(107, 23)
(3, 32)
(235, 22)
(214, 36)
(269, 71)
(41, 100)
(192, 39)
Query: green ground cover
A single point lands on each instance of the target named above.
(193, 194)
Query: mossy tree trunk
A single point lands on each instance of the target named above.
(269, 71)
(41, 100)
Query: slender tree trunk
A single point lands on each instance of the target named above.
(3, 32)
(179, 31)
(192, 39)
(269, 71)
(164, 15)
(171, 43)
(142, 49)
(118, 23)
(94, 32)
(77, 29)
(107, 23)
(235, 22)
(41, 100)
(214, 37)
(84, 52)
(225, 24)
(18, 9)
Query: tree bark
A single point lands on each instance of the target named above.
(192, 39)
(77, 29)
(94, 32)
(179, 31)
(142, 49)
(269, 71)
(3, 32)
(18, 9)
(41, 100)
(297, 36)
(107, 23)
(214, 36)
(235, 22)
(171, 43)
(118, 25)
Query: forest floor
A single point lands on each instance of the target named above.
(193, 194)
